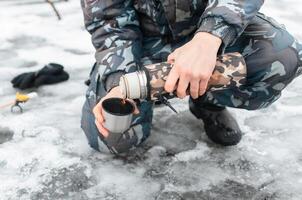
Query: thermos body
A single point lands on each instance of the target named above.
(230, 71)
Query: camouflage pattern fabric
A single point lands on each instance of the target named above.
(230, 71)
(128, 34)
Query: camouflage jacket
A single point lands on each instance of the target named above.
(117, 26)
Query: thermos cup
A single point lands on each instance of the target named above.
(117, 114)
(148, 83)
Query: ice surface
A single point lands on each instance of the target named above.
(44, 154)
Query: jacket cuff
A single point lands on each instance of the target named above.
(218, 27)
(112, 80)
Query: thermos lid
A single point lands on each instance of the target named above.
(134, 85)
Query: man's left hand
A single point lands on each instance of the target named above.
(194, 63)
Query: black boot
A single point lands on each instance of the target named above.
(219, 124)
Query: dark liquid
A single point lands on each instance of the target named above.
(118, 106)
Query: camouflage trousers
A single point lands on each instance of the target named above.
(273, 60)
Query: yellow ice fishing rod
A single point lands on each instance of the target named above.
(20, 98)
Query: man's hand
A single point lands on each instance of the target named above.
(97, 110)
(194, 63)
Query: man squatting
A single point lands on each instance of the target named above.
(128, 34)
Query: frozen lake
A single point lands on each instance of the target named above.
(46, 156)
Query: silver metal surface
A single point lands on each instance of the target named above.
(117, 123)
(134, 85)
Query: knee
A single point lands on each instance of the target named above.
(285, 53)
(122, 143)
(117, 143)
(287, 62)
(89, 127)
(269, 72)
(269, 64)
(287, 50)
(136, 135)
(282, 71)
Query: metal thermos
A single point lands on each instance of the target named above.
(148, 83)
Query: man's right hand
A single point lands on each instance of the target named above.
(98, 109)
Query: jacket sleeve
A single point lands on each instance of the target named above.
(116, 35)
(227, 19)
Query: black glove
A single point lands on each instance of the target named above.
(49, 74)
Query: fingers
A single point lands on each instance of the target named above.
(101, 129)
(183, 85)
(194, 89)
(171, 57)
(171, 80)
(99, 119)
(97, 111)
(136, 110)
(203, 86)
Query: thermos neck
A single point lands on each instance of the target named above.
(134, 85)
